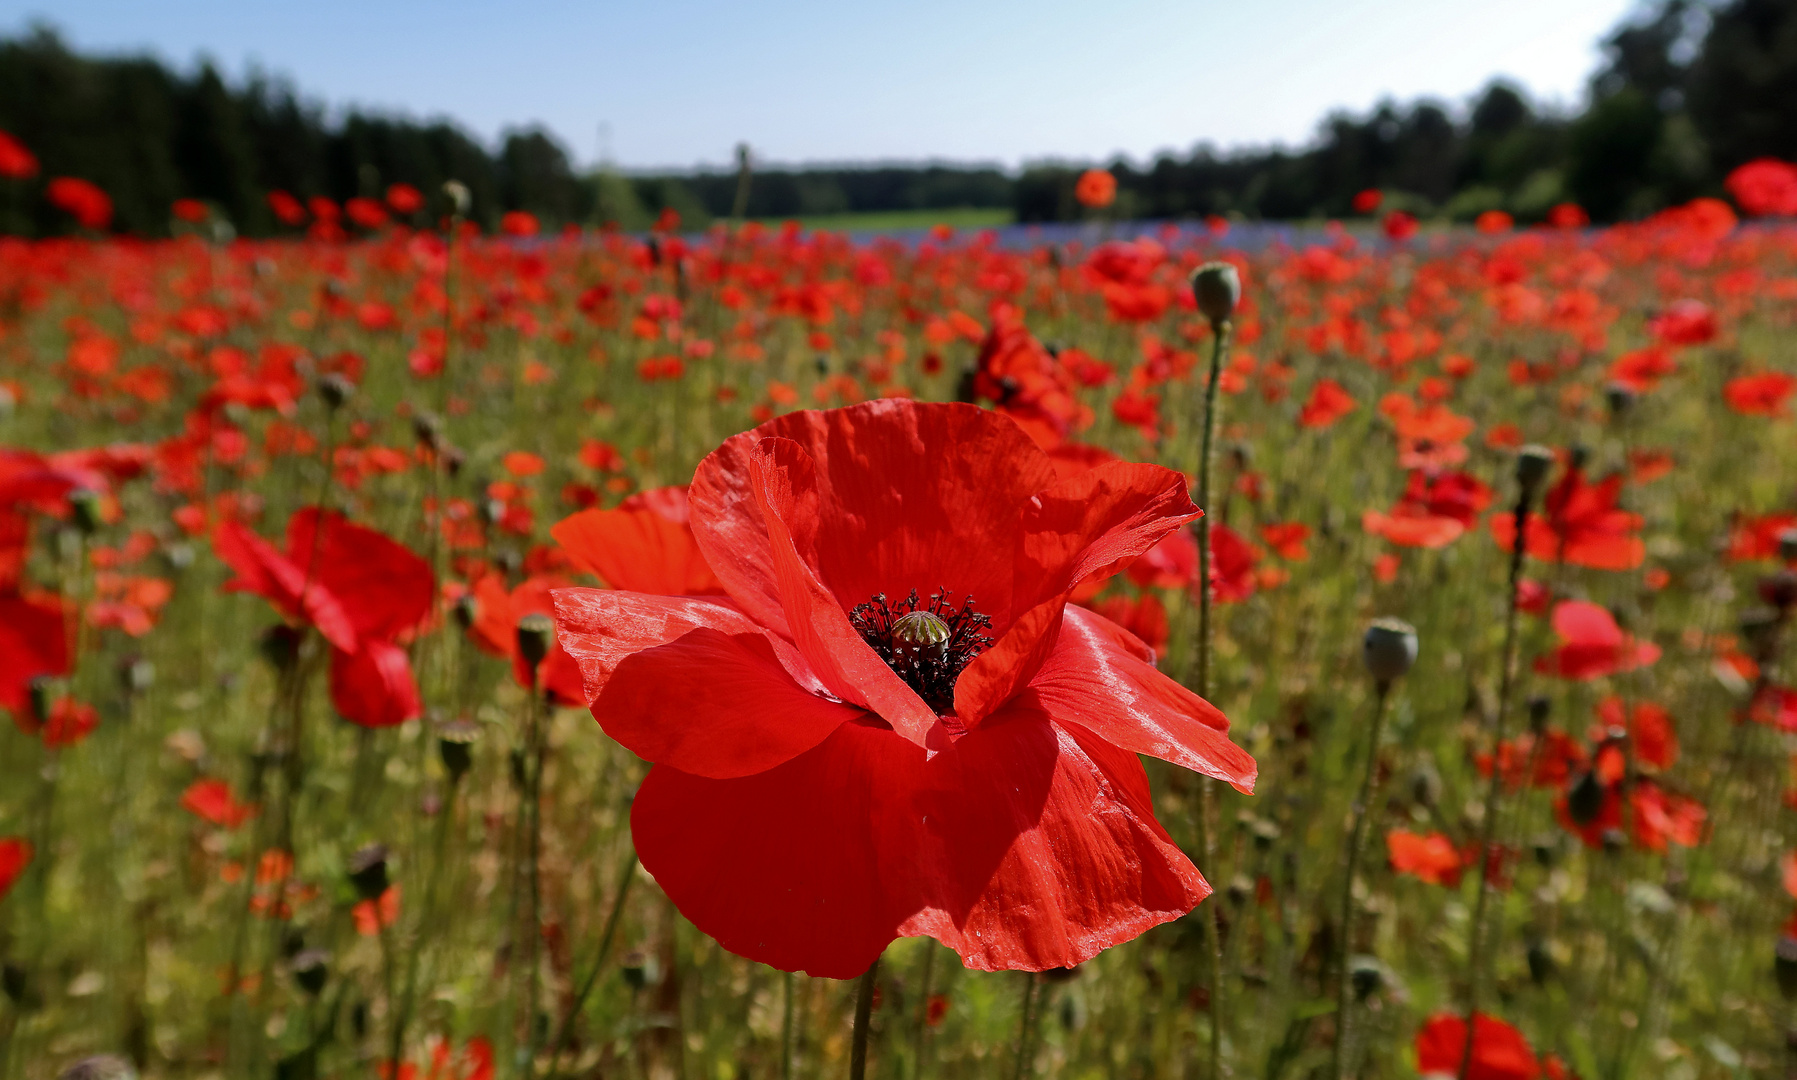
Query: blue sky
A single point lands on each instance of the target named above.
(679, 83)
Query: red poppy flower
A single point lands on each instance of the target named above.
(645, 545)
(1686, 322)
(16, 162)
(1145, 617)
(214, 801)
(359, 589)
(15, 856)
(518, 223)
(1287, 539)
(81, 200)
(1095, 188)
(1492, 222)
(1232, 565)
(1568, 216)
(69, 722)
(1399, 226)
(1555, 761)
(495, 631)
(1592, 644)
(1754, 538)
(1431, 858)
(404, 199)
(1580, 523)
(1434, 511)
(34, 642)
(285, 207)
(1764, 187)
(1763, 394)
(1026, 382)
(1170, 564)
(1328, 402)
(834, 769)
(1642, 369)
(1365, 202)
(1651, 738)
(1499, 1051)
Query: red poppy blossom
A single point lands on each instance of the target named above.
(644, 545)
(1592, 644)
(215, 802)
(16, 162)
(1170, 564)
(69, 723)
(1145, 617)
(1434, 511)
(1686, 322)
(495, 631)
(1399, 226)
(34, 642)
(15, 856)
(518, 223)
(80, 199)
(837, 763)
(1232, 566)
(1365, 202)
(361, 590)
(1095, 188)
(1764, 187)
(1553, 761)
(1579, 523)
(404, 199)
(1762, 394)
(1652, 741)
(1499, 1051)
(289, 210)
(1328, 402)
(1431, 858)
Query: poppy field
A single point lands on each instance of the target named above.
(1180, 652)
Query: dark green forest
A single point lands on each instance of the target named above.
(1687, 91)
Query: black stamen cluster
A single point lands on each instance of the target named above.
(931, 671)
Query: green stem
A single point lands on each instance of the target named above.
(1494, 788)
(566, 1034)
(864, 1008)
(1206, 798)
(786, 981)
(1363, 804)
(1026, 1029)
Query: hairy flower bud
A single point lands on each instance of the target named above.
(1218, 289)
(1532, 465)
(1389, 648)
(536, 632)
(367, 871)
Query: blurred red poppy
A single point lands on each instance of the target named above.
(1095, 188)
(1568, 216)
(1434, 511)
(1652, 741)
(1499, 1051)
(359, 589)
(16, 162)
(81, 200)
(1431, 858)
(1764, 187)
(214, 801)
(1399, 226)
(404, 199)
(1365, 202)
(192, 211)
(286, 208)
(1579, 524)
(15, 856)
(645, 545)
(1328, 402)
(1763, 394)
(838, 763)
(1685, 322)
(34, 642)
(1592, 645)
(518, 223)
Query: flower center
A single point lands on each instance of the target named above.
(927, 644)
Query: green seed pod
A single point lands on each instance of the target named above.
(1533, 463)
(1542, 967)
(455, 745)
(85, 505)
(1218, 289)
(920, 634)
(1586, 799)
(1389, 649)
(536, 632)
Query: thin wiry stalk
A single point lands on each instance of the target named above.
(864, 1007)
(1363, 805)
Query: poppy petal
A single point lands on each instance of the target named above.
(271, 575)
(802, 867)
(1042, 847)
(1092, 679)
(639, 547)
(744, 716)
(383, 588)
(600, 627)
(372, 687)
(34, 641)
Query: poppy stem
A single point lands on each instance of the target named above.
(566, 1034)
(1220, 331)
(1478, 945)
(1363, 803)
(786, 979)
(1026, 1030)
(864, 1008)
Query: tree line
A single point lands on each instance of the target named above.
(1684, 94)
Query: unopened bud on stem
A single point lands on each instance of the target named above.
(535, 633)
(1532, 465)
(1389, 649)
(1218, 289)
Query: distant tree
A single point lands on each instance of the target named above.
(1743, 86)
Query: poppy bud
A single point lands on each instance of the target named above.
(40, 688)
(1787, 545)
(1760, 627)
(1425, 785)
(1779, 590)
(1578, 456)
(535, 633)
(1532, 465)
(85, 506)
(178, 556)
(1389, 648)
(99, 1067)
(453, 460)
(1218, 289)
(1618, 397)
(1367, 975)
(1539, 707)
(455, 745)
(17, 986)
(964, 387)
(461, 200)
(467, 609)
(1586, 799)
(1266, 834)
(428, 430)
(1542, 967)
(1614, 841)
(822, 363)
(335, 390)
(137, 675)
(280, 646)
(367, 870)
(311, 969)
(1241, 888)
(1547, 850)
(1784, 965)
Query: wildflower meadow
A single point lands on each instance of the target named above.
(1186, 650)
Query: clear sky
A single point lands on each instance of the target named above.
(680, 82)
